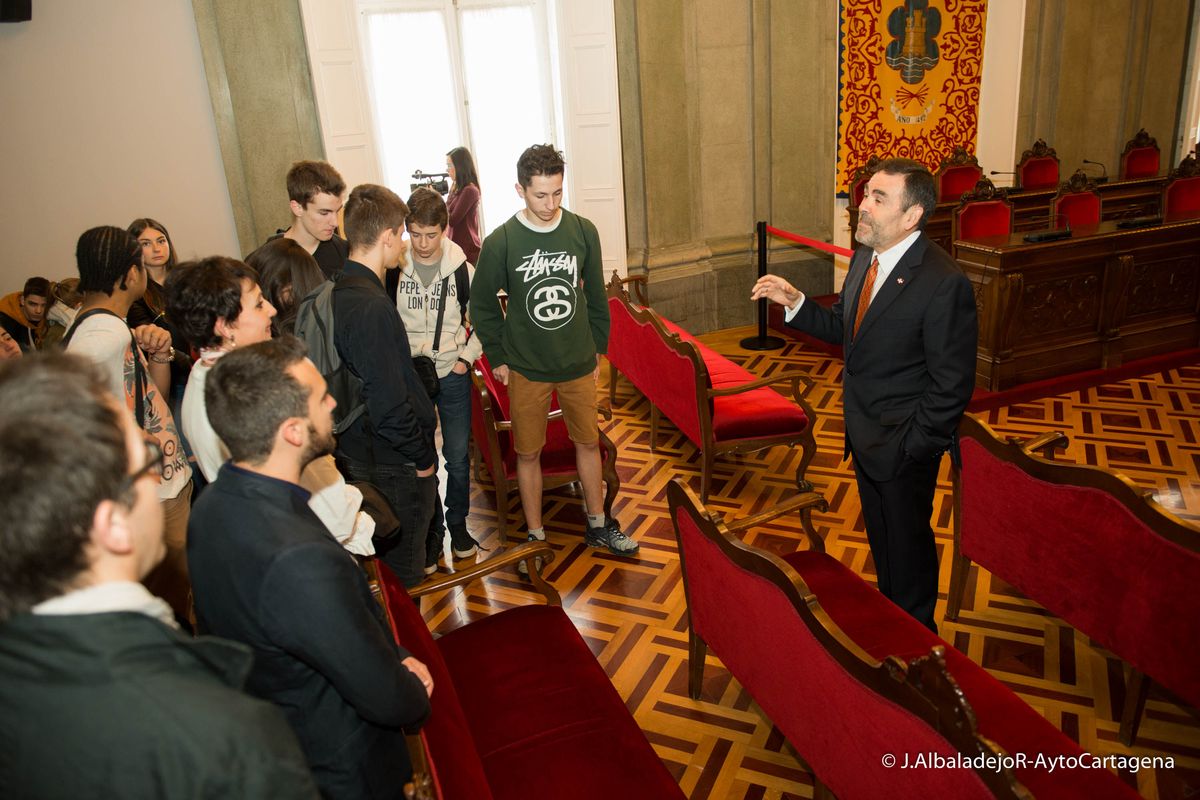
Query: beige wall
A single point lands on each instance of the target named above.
(727, 118)
(106, 119)
(1094, 72)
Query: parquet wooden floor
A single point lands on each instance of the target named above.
(632, 612)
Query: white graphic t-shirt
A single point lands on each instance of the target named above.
(104, 339)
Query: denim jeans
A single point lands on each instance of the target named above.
(413, 499)
(454, 412)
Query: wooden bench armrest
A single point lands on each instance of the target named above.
(507, 558)
(1044, 444)
(804, 503)
(639, 283)
(793, 376)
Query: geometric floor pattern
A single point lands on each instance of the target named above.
(632, 612)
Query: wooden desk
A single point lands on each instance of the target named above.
(1102, 297)
(1031, 209)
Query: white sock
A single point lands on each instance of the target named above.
(596, 520)
(538, 533)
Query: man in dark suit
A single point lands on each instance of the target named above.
(267, 573)
(907, 325)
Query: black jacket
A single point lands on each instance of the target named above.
(120, 705)
(370, 337)
(267, 573)
(910, 372)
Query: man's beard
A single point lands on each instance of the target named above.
(317, 445)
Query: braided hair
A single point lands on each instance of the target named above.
(104, 256)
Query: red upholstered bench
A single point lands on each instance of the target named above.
(850, 679)
(521, 708)
(1091, 548)
(719, 406)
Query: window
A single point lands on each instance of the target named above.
(473, 73)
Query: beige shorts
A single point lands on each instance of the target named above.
(529, 403)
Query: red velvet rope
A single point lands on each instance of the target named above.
(804, 240)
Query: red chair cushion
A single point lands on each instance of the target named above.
(1078, 209)
(1111, 577)
(954, 182)
(448, 738)
(882, 629)
(544, 716)
(755, 414)
(1141, 162)
(984, 218)
(1038, 173)
(1182, 196)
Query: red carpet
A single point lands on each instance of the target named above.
(986, 401)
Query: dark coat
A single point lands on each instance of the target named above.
(266, 572)
(910, 372)
(119, 705)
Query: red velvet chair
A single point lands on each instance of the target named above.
(720, 407)
(491, 425)
(1141, 157)
(848, 677)
(983, 212)
(521, 708)
(1038, 167)
(858, 181)
(1181, 195)
(1089, 546)
(957, 174)
(1077, 203)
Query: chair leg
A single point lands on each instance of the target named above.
(1136, 690)
(653, 428)
(706, 470)
(697, 651)
(612, 385)
(960, 568)
(502, 511)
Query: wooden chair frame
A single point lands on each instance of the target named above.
(1079, 183)
(493, 424)
(958, 158)
(922, 687)
(1140, 141)
(984, 191)
(1038, 152)
(709, 448)
(1025, 455)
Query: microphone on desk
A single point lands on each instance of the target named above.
(1103, 176)
(1052, 233)
(998, 172)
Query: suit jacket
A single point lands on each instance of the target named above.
(266, 572)
(910, 372)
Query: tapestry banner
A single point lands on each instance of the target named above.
(909, 85)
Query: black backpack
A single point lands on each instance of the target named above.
(314, 324)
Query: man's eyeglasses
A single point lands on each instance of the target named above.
(153, 466)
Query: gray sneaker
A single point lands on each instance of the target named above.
(611, 536)
(537, 560)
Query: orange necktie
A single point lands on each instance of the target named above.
(864, 297)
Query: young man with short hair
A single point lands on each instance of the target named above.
(23, 314)
(547, 260)
(315, 192)
(137, 365)
(431, 296)
(268, 573)
(392, 444)
(102, 695)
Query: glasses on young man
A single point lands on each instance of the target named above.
(153, 466)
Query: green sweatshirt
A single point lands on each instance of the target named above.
(557, 318)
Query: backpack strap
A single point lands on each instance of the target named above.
(462, 285)
(139, 372)
(437, 330)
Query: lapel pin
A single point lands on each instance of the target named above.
(900, 281)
